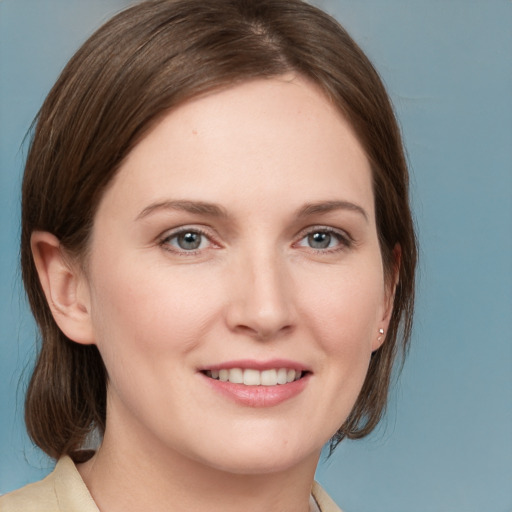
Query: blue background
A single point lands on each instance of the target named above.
(446, 443)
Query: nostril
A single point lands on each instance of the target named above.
(263, 331)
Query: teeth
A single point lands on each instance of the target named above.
(281, 375)
(269, 377)
(236, 376)
(251, 377)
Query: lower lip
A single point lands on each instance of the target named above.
(258, 396)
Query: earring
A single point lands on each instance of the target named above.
(381, 332)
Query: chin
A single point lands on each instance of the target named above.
(262, 456)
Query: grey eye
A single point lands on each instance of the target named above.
(189, 240)
(319, 240)
(324, 240)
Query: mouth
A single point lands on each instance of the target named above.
(253, 383)
(253, 377)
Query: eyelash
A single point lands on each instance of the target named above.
(165, 240)
(344, 240)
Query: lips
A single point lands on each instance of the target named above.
(258, 384)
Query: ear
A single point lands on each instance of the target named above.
(389, 297)
(64, 286)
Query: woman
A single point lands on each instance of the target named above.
(218, 249)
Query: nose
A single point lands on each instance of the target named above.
(261, 301)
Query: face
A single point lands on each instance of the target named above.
(234, 285)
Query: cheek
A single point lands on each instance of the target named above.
(146, 311)
(342, 313)
(345, 305)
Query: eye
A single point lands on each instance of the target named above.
(186, 240)
(320, 240)
(324, 239)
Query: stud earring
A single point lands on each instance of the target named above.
(381, 332)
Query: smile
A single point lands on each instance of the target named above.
(252, 377)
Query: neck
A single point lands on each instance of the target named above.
(127, 475)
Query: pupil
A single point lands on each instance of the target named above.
(189, 241)
(319, 240)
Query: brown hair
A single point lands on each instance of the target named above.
(136, 67)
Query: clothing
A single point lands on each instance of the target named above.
(63, 490)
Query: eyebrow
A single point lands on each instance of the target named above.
(197, 207)
(214, 210)
(329, 206)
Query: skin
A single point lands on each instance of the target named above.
(257, 288)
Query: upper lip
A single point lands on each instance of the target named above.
(258, 365)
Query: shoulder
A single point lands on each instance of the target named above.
(63, 490)
(34, 497)
(324, 501)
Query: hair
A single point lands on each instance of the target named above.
(127, 75)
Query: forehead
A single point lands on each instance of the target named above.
(255, 140)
